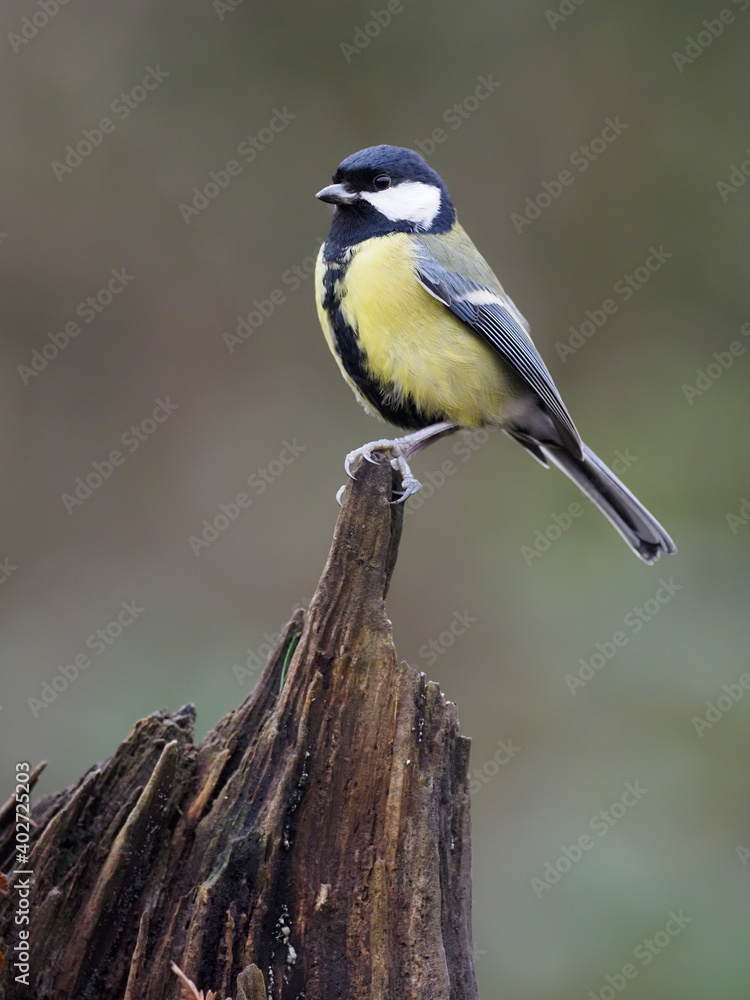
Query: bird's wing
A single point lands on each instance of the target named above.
(490, 313)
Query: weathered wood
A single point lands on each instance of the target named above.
(314, 845)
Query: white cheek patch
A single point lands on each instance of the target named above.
(411, 201)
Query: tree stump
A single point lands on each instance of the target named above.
(314, 845)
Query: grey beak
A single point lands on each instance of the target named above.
(337, 194)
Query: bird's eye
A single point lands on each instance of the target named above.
(382, 182)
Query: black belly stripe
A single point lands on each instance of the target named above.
(382, 396)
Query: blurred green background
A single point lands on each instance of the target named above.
(228, 77)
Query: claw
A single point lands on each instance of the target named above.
(410, 487)
(340, 495)
(366, 452)
(409, 483)
(408, 445)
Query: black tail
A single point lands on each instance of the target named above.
(641, 530)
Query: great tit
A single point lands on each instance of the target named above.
(428, 339)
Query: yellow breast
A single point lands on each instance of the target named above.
(414, 343)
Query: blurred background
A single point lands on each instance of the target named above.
(132, 255)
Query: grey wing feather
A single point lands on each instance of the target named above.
(493, 317)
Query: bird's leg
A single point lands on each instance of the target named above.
(402, 449)
(409, 446)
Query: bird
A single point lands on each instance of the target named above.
(428, 339)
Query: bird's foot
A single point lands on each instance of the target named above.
(398, 447)
(409, 482)
(401, 449)
(366, 452)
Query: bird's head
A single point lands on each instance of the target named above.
(388, 189)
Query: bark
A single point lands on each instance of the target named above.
(314, 845)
